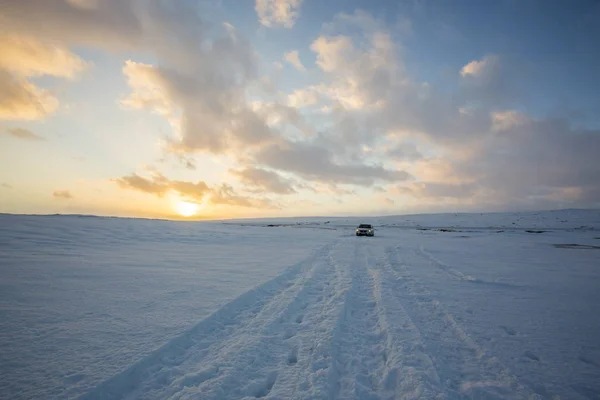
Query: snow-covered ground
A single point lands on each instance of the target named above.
(434, 306)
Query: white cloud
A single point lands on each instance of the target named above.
(205, 97)
(303, 97)
(278, 12)
(149, 89)
(482, 70)
(293, 58)
(505, 120)
(361, 75)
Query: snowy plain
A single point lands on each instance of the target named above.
(446, 306)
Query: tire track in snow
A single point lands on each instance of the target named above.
(409, 373)
(186, 362)
(349, 322)
(274, 362)
(457, 275)
(310, 377)
(453, 273)
(464, 368)
(360, 338)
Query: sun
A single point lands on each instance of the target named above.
(186, 209)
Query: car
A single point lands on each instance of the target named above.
(365, 230)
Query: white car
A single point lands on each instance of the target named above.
(365, 230)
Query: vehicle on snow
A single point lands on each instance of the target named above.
(365, 230)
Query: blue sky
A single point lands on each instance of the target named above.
(206, 109)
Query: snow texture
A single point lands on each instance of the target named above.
(448, 306)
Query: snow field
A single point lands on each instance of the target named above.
(250, 311)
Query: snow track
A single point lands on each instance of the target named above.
(463, 367)
(349, 322)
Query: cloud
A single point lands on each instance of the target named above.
(159, 185)
(466, 140)
(29, 57)
(22, 133)
(225, 194)
(405, 152)
(294, 59)
(281, 118)
(491, 82)
(21, 100)
(507, 120)
(273, 13)
(109, 24)
(479, 68)
(84, 4)
(480, 145)
(312, 162)
(264, 180)
(205, 101)
(437, 190)
(537, 155)
(362, 74)
(25, 57)
(62, 194)
(303, 97)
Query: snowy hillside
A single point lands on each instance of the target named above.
(434, 306)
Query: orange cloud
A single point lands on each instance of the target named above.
(159, 185)
(29, 57)
(25, 57)
(62, 194)
(22, 100)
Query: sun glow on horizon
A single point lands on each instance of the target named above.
(186, 209)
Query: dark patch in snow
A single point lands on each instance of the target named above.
(589, 361)
(496, 284)
(264, 389)
(510, 331)
(586, 391)
(576, 246)
(293, 356)
(74, 378)
(531, 355)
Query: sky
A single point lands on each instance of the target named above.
(199, 109)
